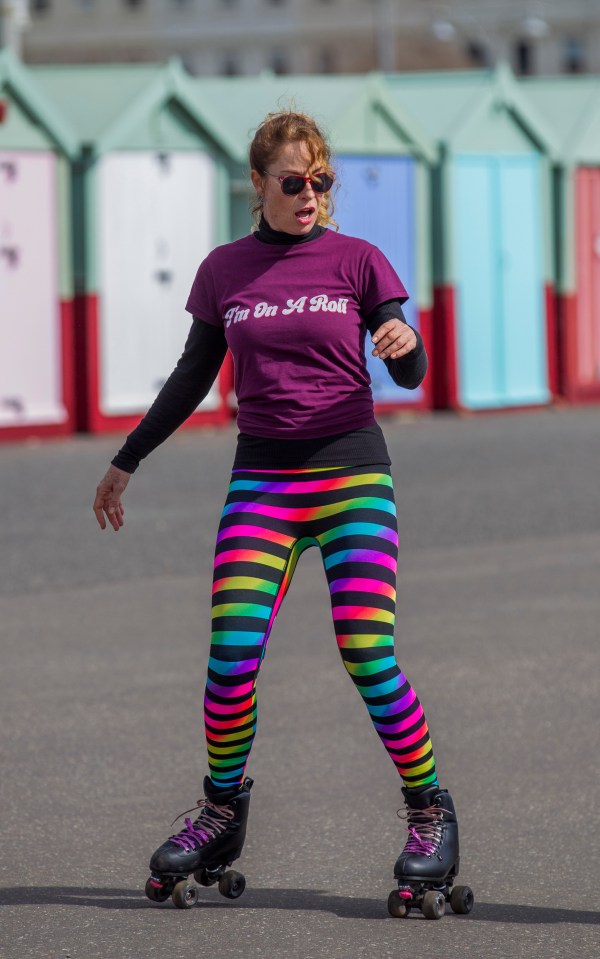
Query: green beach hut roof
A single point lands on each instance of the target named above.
(449, 103)
(572, 106)
(17, 81)
(104, 101)
(352, 109)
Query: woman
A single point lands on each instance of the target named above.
(293, 302)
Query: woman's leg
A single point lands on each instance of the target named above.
(255, 557)
(360, 550)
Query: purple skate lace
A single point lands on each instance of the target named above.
(210, 823)
(425, 830)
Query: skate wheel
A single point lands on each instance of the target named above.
(158, 893)
(185, 894)
(397, 906)
(232, 884)
(462, 899)
(203, 878)
(434, 904)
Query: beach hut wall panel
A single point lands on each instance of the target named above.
(501, 329)
(151, 238)
(492, 239)
(36, 293)
(572, 106)
(151, 200)
(377, 202)
(31, 360)
(586, 345)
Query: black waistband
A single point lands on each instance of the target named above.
(362, 447)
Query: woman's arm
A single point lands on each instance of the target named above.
(391, 333)
(186, 387)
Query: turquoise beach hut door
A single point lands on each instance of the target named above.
(376, 202)
(498, 262)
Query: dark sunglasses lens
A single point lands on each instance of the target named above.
(322, 182)
(292, 185)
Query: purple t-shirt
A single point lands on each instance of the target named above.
(293, 317)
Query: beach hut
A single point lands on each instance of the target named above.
(494, 318)
(572, 106)
(150, 201)
(383, 160)
(36, 294)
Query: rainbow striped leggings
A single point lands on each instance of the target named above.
(268, 520)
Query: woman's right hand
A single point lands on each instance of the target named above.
(108, 498)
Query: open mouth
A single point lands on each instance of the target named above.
(305, 214)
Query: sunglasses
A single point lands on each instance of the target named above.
(292, 185)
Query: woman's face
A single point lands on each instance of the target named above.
(289, 214)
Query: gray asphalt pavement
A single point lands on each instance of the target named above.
(104, 645)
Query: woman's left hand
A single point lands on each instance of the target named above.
(393, 339)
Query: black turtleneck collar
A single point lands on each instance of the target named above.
(267, 234)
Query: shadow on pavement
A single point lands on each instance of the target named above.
(311, 900)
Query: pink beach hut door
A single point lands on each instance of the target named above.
(587, 347)
(30, 332)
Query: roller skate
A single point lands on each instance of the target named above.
(428, 865)
(205, 848)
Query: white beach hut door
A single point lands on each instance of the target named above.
(156, 223)
(30, 331)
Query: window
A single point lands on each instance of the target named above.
(278, 62)
(573, 55)
(326, 60)
(523, 57)
(478, 53)
(230, 65)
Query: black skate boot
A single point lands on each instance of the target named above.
(428, 865)
(205, 847)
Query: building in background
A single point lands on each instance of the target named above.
(229, 37)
